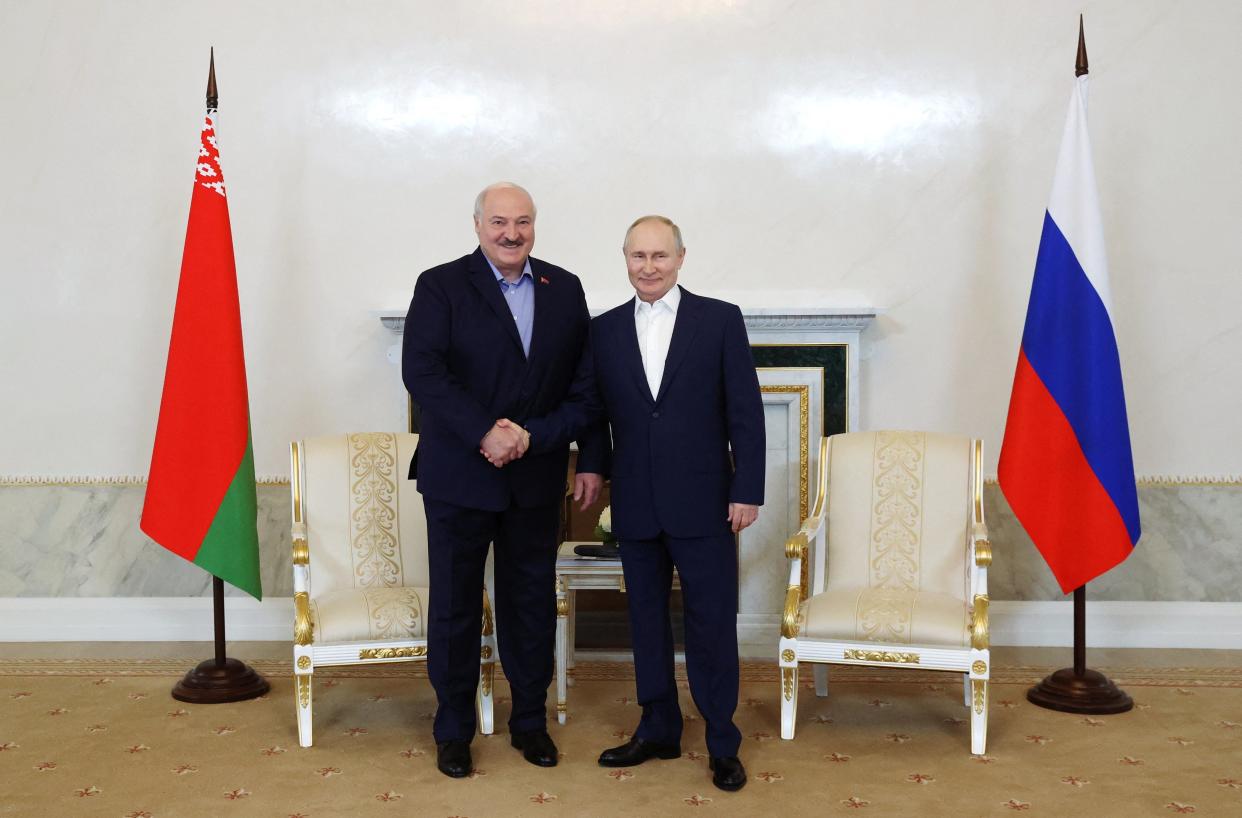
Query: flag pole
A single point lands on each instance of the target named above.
(1079, 689)
(220, 679)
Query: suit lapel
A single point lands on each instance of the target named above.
(630, 351)
(484, 280)
(542, 324)
(684, 329)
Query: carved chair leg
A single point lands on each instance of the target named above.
(820, 671)
(789, 700)
(979, 716)
(302, 701)
(487, 673)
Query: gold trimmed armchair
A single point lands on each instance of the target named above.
(890, 568)
(360, 575)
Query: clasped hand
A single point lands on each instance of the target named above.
(505, 442)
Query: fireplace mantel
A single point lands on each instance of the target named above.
(767, 326)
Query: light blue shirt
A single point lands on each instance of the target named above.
(520, 298)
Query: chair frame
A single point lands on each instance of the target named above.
(307, 655)
(810, 544)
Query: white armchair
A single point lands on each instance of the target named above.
(360, 575)
(890, 569)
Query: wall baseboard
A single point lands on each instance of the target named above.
(188, 619)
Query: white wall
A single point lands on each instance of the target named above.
(894, 154)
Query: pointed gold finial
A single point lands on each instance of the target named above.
(1080, 65)
(213, 99)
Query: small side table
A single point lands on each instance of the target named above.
(575, 573)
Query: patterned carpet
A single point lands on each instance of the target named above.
(104, 738)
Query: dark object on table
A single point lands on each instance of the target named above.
(606, 551)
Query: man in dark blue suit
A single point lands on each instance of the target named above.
(679, 389)
(496, 354)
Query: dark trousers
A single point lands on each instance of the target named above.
(525, 578)
(707, 567)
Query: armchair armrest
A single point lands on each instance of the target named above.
(796, 550)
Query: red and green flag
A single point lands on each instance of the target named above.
(201, 501)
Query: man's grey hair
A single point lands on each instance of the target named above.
(664, 220)
(482, 197)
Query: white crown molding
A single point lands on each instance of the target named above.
(1205, 625)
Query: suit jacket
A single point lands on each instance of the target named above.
(462, 362)
(671, 465)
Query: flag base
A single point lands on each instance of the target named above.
(215, 682)
(1088, 692)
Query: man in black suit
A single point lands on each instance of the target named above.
(495, 355)
(679, 389)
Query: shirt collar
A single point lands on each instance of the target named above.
(671, 300)
(526, 273)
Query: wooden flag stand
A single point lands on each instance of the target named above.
(220, 680)
(1078, 689)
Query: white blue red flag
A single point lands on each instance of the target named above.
(1065, 464)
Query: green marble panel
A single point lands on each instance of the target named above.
(829, 356)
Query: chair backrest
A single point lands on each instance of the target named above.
(365, 525)
(899, 507)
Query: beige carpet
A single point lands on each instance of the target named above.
(98, 737)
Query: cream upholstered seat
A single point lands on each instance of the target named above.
(890, 569)
(360, 575)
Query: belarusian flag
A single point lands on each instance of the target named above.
(201, 501)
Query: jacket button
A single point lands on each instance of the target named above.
(655, 414)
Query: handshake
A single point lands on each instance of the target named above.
(505, 442)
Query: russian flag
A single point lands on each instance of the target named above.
(1065, 463)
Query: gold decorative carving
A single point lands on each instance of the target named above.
(303, 625)
(304, 691)
(978, 481)
(373, 541)
(979, 688)
(896, 516)
(295, 473)
(304, 662)
(983, 553)
(414, 652)
(789, 620)
(979, 639)
(889, 656)
(489, 626)
(885, 615)
(394, 612)
(787, 682)
(486, 682)
(562, 607)
(804, 444)
(796, 546)
(561, 707)
(979, 667)
(486, 651)
(788, 655)
(301, 552)
(621, 583)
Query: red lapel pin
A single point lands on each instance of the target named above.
(543, 280)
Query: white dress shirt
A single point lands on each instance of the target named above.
(654, 325)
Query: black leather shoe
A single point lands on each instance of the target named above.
(453, 758)
(636, 751)
(536, 747)
(727, 773)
